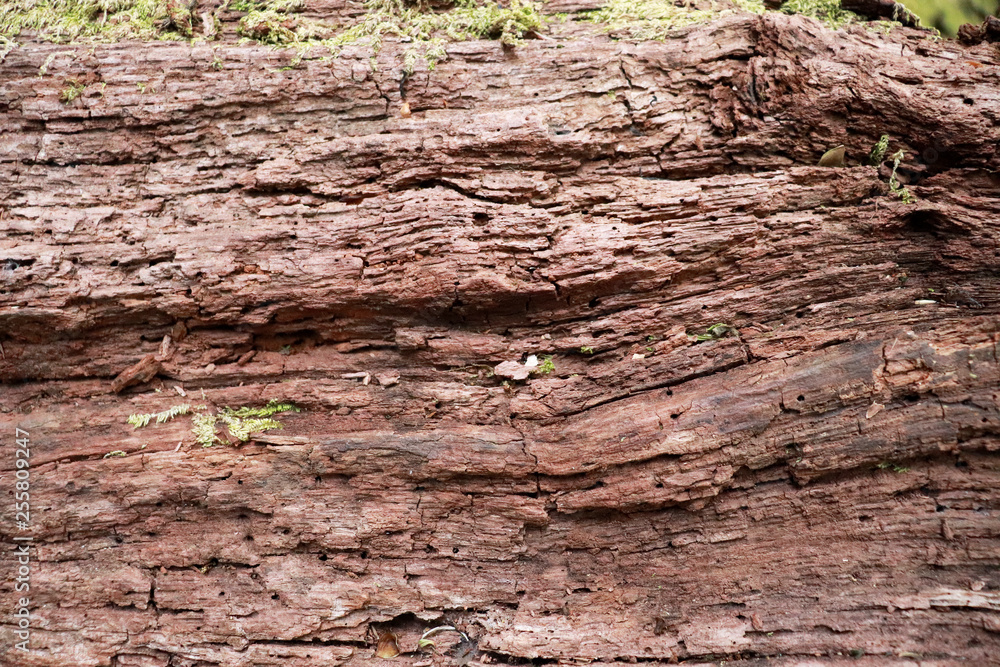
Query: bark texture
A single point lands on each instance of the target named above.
(821, 488)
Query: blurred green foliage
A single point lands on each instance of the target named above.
(948, 15)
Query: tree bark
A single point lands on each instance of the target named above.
(818, 485)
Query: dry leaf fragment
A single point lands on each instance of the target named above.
(404, 111)
(833, 157)
(387, 647)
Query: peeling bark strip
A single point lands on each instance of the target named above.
(666, 491)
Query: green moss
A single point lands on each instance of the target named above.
(894, 186)
(827, 11)
(273, 22)
(96, 20)
(654, 19)
(72, 91)
(425, 30)
(141, 420)
(647, 19)
(545, 367)
(6, 46)
(240, 422)
(203, 428)
(877, 154)
(716, 331)
(273, 407)
(428, 31)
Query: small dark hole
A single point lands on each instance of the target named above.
(675, 415)
(239, 481)
(318, 479)
(961, 464)
(249, 538)
(323, 557)
(364, 554)
(118, 539)
(275, 596)
(593, 302)
(940, 508)
(800, 315)
(454, 550)
(222, 593)
(968, 100)
(800, 398)
(114, 262)
(864, 517)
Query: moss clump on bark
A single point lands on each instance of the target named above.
(425, 29)
(240, 422)
(825, 11)
(428, 31)
(276, 22)
(96, 20)
(647, 19)
(655, 19)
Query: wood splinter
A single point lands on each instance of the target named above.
(143, 371)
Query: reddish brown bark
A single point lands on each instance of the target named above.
(821, 488)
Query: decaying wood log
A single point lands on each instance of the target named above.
(815, 483)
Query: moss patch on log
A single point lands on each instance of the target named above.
(96, 20)
(655, 19)
(428, 31)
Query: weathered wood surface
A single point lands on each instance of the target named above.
(700, 501)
